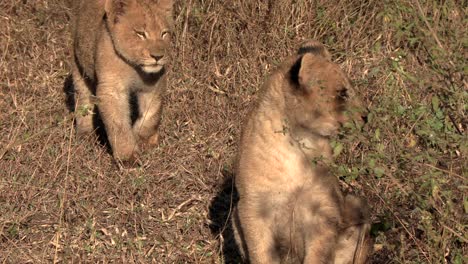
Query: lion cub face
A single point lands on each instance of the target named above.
(141, 32)
(320, 91)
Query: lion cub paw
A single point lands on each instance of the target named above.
(126, 153)
(129, 164)
(153, 140)
(148, 142)
(84, 126)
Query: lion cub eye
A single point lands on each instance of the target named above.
(141, 34)
(165, 34)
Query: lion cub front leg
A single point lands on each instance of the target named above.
(149, 116)
(254, 238)
(114, 109)
(84, 109)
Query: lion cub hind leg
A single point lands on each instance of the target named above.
(149, 116)
(354, 241)
(320, 249)
(84, 109)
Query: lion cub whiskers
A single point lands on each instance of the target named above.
(121, 47)
(289, 210)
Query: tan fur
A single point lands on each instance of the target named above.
(291, 211)
(121, 47)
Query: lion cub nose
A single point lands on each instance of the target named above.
(157, 57)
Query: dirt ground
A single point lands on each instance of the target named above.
(63, 200)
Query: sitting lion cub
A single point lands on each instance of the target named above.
(121, 48)
(290, 210)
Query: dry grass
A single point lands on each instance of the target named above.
(63, 200)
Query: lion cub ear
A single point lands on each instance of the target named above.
(302, 73)
(116, 8)
(166, 6)
(314, 47)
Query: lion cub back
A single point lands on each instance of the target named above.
(289, 210)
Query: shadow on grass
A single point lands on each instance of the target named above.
(220, 215)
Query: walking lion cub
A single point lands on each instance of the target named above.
(121, 48)
(289, 210)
